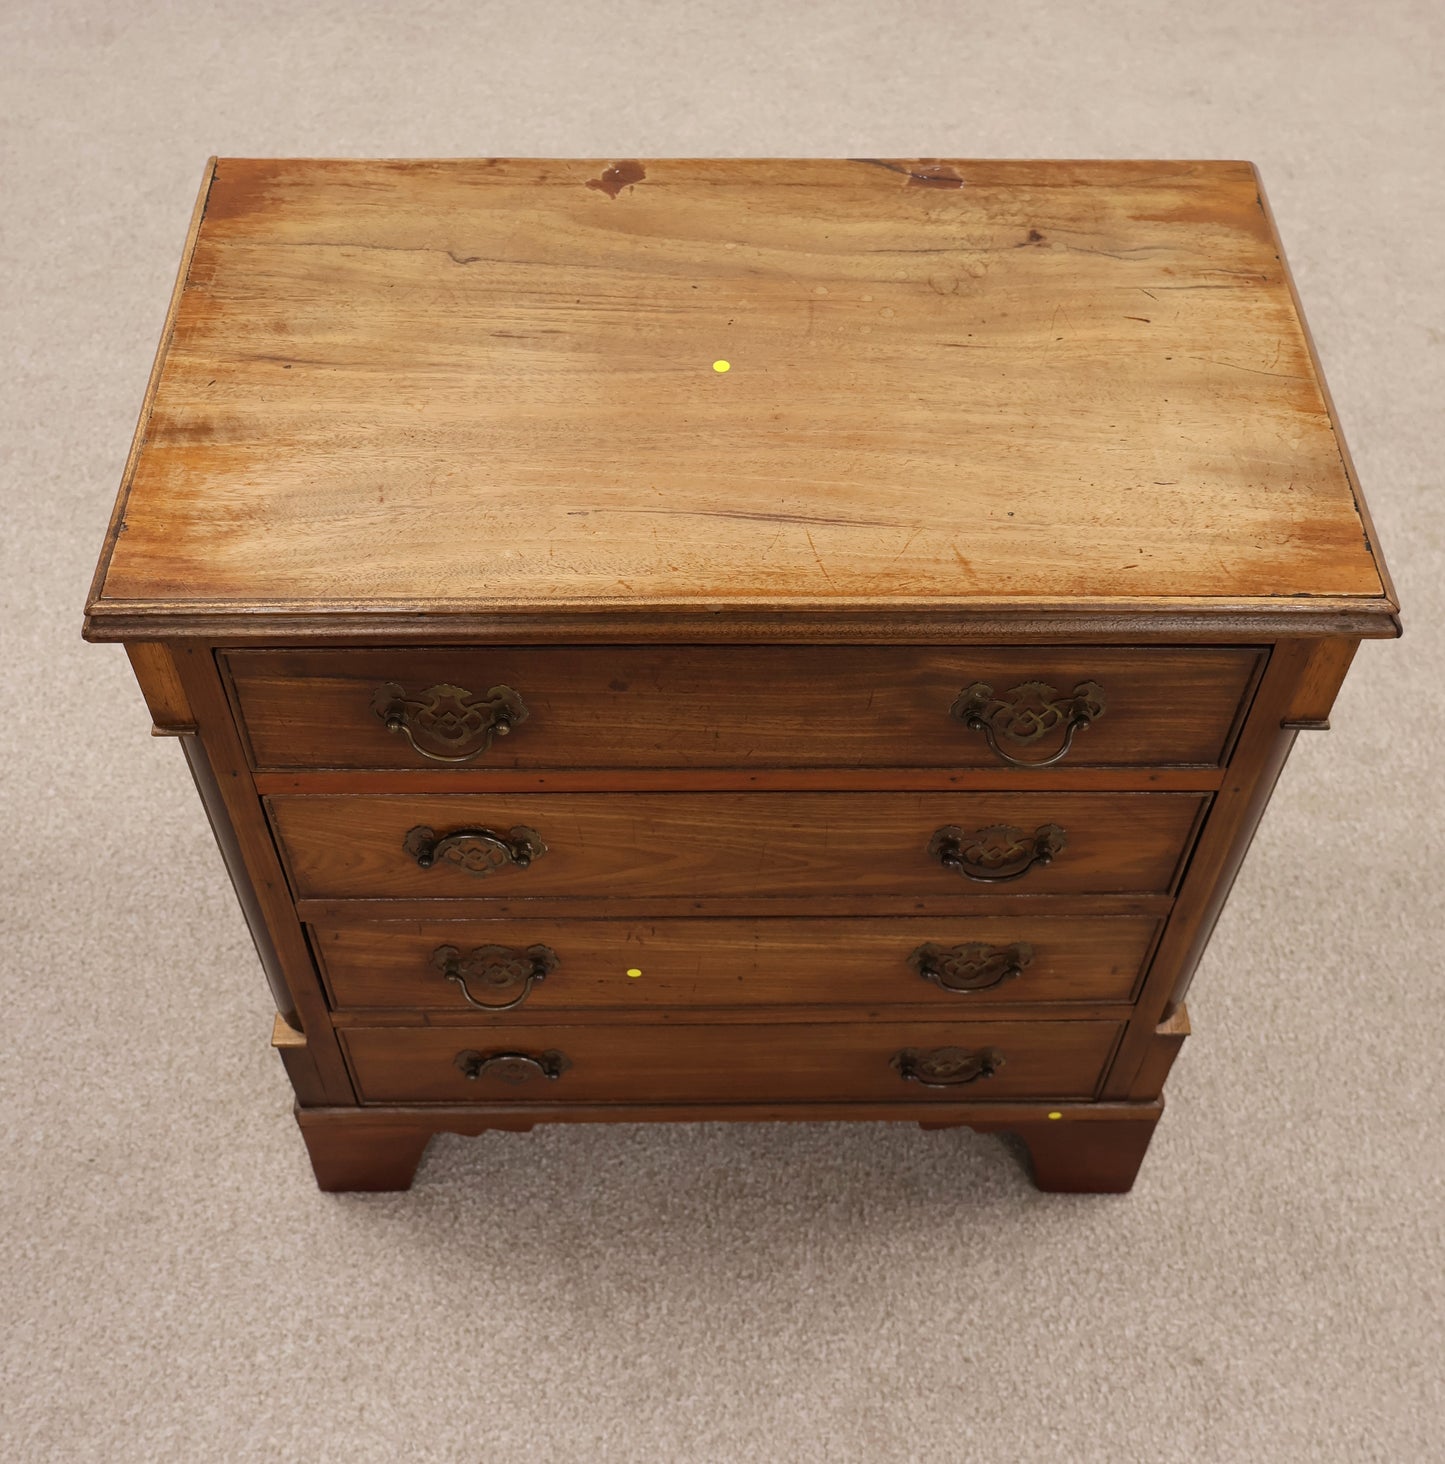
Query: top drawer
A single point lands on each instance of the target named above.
(535, 707)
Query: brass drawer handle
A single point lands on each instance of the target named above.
(975, 967)
(512, 1067)
(1030, 711)
(997, 854)
(478, 851)
(457, 725)
(946, 1067)
(497, 968)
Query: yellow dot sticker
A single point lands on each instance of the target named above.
(634, 971)
(1056, 1114)
(722, 365)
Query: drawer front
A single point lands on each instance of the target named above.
(644, 1063)
(739, 706)
(945, 963)
(719, 844)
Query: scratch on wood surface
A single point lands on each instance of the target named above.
(1253, 370)
(818, 558)
(1112, 253)
(907, 545)
(769, 518)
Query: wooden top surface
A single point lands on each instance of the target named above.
(458, 389)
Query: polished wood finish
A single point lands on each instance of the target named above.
(372, 1149)
(774, 844)
(1084, 1158)
(208, 787)
(1219, 854)
(747, 964)
(965, 899)
(291, 1047)
(355, 1155)
(659, 707)
(728, 780)
(1169, 1037)
(218, 765)
(434, 460)
(1081, 382)
(1320, 682)
(659, 1063)
(159, 678)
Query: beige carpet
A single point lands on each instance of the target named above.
(173, 1287)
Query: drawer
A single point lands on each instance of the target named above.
(711, 844)
(573, 707)
(838, 1062)
(548, 965)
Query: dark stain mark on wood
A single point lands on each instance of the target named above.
(923, 173)
(934, 175)
(619, 176)
(242, 187)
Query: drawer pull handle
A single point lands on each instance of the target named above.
(997, 854)
(946, 1067)
(447, 724)
(1030, 711)
(512, 1067)
(974, 967)
(478, 851)
(496, 968)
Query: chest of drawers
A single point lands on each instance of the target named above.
(679, 640)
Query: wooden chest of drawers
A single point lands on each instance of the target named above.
(735, 640)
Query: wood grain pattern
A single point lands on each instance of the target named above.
(1169, 1037)
(301, 1071)
(1072, 1158)
(154, 665)
(117, 525)
(659, 707)
(830, 964)
(351, 1154)
(457, 422)
(1254, 769)
(379, 1148)
(1319, 685)
(455, 388)
(218, 765)
(662, 1064)
(957, 903)
(743, 780)
(783, 845)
